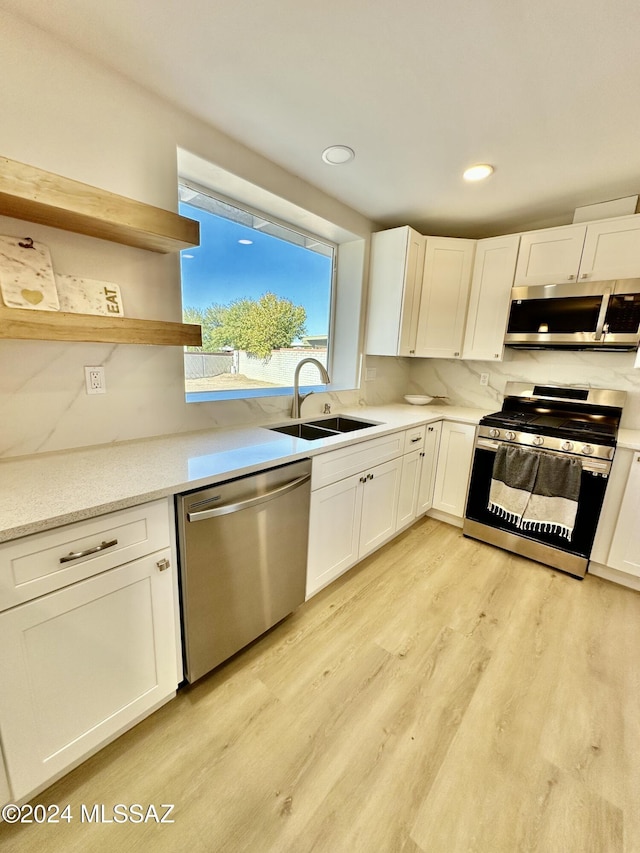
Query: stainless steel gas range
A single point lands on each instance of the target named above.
(559, 423)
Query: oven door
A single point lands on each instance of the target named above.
(572, 555)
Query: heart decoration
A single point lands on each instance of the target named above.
(33, 297)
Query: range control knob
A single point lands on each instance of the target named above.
(538, 440)
(494, 433)
(587, 449)
(566, 445)
(509, 435)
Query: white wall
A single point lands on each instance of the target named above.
(64, 113)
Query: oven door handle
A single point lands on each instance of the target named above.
(487, 443)
(590, 465)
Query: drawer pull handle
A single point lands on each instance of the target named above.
(413, 440)
(75, 555)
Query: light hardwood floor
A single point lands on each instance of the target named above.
(444, 696)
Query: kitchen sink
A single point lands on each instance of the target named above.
(340, 424)
(322, 427)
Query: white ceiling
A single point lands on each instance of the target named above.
(548, 91)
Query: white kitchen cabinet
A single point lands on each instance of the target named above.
(410, 479)
(428, 468)
(418, 475)
(490, 298)
(409, 486)
(349, 519)
(334, 531)
(611, 249)
(550, 256)
(89, 638)
(624, 554)
(453, 468)
(448, 264)
(395, 280)
(594, 251)
(379, 506)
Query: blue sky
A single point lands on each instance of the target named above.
(221, 269)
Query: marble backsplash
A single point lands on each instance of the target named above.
(44, 406)
(459, 381)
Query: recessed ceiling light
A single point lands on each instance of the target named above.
(336, 155)
(478, 172)
(246, 242)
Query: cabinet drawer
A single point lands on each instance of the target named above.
(338, 464)
(35, 565)
(414, 439)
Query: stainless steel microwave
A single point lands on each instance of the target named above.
(602, 315)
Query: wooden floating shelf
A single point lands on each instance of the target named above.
(29, 193)
(19, 324)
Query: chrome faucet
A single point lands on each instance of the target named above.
(297, 396)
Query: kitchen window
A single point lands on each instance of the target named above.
(263, 293)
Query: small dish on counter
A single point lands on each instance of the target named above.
(417, 399)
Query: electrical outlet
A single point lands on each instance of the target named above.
(94, 379)
(484, 378)
(370, 374)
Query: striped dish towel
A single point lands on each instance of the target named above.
(535, 491)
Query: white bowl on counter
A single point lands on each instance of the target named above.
(417, 399)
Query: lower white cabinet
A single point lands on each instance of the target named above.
(418, 477)
(624, 553)
(454, 465)
(84, 662)
(428, 468)
(350, 519)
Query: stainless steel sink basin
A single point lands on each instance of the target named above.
(340, 424)
(322, 427)
(307, 431)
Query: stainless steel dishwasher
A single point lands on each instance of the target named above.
(243, 559)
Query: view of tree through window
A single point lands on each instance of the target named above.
(262, 294)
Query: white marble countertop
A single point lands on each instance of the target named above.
(48, 490)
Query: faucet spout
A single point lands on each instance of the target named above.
(297, 396)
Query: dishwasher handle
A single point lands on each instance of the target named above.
(240, 505)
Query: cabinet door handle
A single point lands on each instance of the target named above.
(75, 555)
(363, 479)
(585, 275)
(570, 277)
(456, 354)
(369, 476)
(422, 454)
(163, 565)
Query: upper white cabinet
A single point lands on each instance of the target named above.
(418, 292)
(397, 258)
(624, 554)
(493, 272)
(448, 264)
(591, 252)
(611, 250)
(550, 256)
